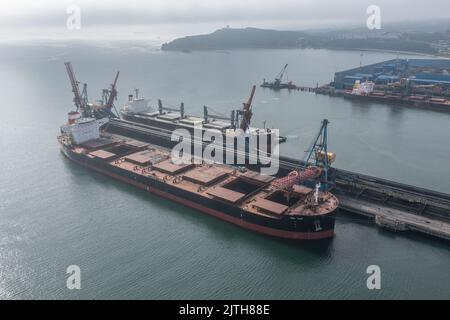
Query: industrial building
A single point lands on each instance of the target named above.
(416, 72)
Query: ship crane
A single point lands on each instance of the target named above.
(161, 108)
(246, 112)
(207, 116)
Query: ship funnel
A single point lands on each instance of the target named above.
(73, 116)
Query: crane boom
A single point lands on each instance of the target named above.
(247, 111)
(296, 177)
(79, 103)
(317, 151)
(281, 74)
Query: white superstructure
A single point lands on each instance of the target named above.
(137, 104)
(363, 89)
(84, 129)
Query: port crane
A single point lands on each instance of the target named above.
(246, 112)
(316, 163)
(81, 98)
(318, 153)
(109, 96)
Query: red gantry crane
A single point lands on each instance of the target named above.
(247, 112)
(79, 100)
(111, 97)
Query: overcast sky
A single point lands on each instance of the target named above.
(282, 14)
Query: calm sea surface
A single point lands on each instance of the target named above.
(131, 245)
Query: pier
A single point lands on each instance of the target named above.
(390, 205)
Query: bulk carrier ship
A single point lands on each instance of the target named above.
(293, 207)
(276, 207)
(365, 91)
(169, 118)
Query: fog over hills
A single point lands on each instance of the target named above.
(432, 38)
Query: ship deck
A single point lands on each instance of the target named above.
(190, 122)
(243, 188)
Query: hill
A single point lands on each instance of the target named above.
(228, 38)
(430, 41)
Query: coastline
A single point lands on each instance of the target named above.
(424, 54)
